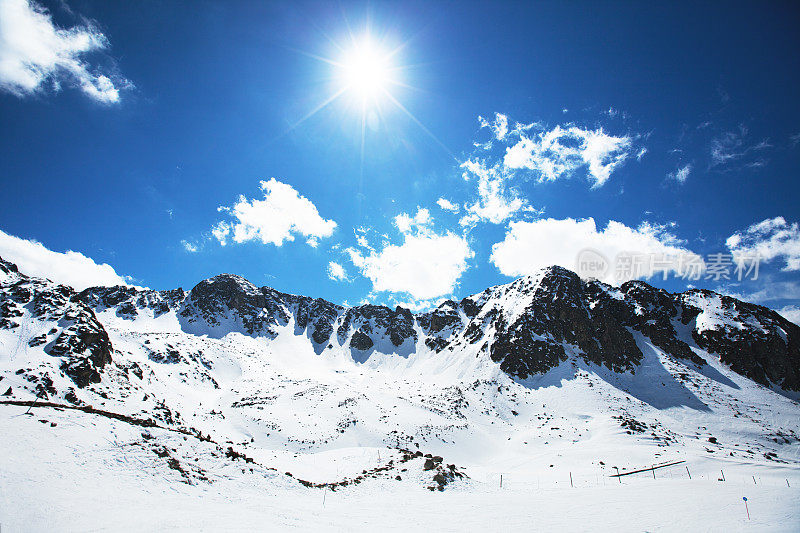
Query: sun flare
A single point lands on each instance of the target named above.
(365, 70)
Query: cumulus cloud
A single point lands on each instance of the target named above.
(772, 238)
(560, 152)
(337, 272)
(530, 246)
(680, 175)
(68, 268)
(496, 203)
(419, 221)
(447, 205)
(425, 265)
(35, 54)
(279, 217)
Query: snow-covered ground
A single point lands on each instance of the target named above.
(554, 439)
(89, 474)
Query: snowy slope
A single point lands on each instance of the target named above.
(552, 383)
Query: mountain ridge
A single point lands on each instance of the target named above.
(527, 326)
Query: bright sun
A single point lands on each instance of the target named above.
(366, 70)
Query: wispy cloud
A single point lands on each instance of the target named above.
(681, 174)
(772, 238)
(560, 152)
(496, 202)
(791, 313)
(36, 55)
(734, 148)
(764, 291)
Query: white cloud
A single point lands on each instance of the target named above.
(495, 203)
(732, 147)
(560, 152)
(337, 272)
(680, 175)
(34, 53)
(68, 268)
(499, 125)
(406, 222)
(791, 313)
(769, 239)
(281, 215)
(770, 290)
(447, 205)
(530, 246)
(221, 230)
(641, 153)
(534, 150)
(189, 247)
(426, 265)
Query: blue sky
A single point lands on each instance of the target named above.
(554, 127)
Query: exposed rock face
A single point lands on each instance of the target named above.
(527, 327)
(371, 323)
(75, 335)
(130, 301)
(528, 324)
(231, 303)
(754, 341)
(313, 315)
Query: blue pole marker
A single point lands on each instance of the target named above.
(745, 507)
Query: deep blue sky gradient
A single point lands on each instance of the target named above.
(218, 84)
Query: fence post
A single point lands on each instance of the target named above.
(687, 471)
(570, 480)
(723, 474)
(34, 402)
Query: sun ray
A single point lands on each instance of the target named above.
(420, 124)
(317, 109)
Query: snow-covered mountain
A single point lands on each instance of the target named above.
(233, 385)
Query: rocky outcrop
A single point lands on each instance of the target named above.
(128, 302)
(752, 340)
(366, 325)
(74, 335)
